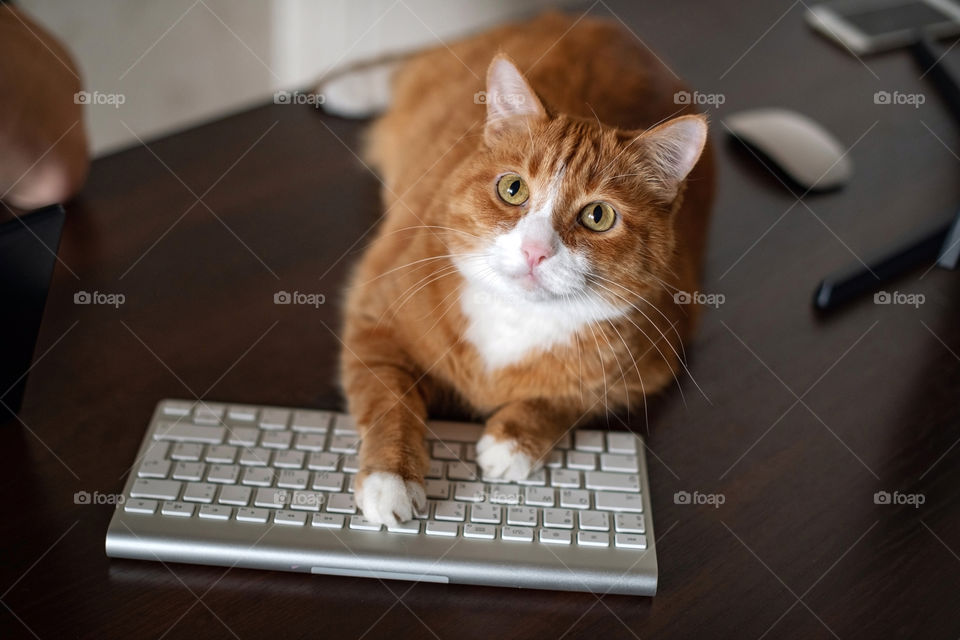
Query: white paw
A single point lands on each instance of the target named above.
(358, 94)
(503, 459)
(388, 499)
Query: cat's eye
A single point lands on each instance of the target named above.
(512, 189)
(598, 216)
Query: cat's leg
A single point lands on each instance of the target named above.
(389, 407)
(518, 438)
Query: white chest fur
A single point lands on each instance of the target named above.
(506, 330)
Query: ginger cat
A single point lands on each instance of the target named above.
(537, 228)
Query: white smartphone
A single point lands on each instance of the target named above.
(869, 26)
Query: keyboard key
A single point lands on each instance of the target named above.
(214, 512)
(272, 498)
(237, 496)
(243, 436)
(539, 497)
(564, 441)
(307, 500)
(616, 462)
(156, 450)
(470, 453)
(327, 521)
(323, 462)
(553, 536)
(594, 520)
(140, 506)
(437, 489)
(621, 443)
(593, 539)
(517, 534)
(589, 440)
(177, 509)
(462, 471)
(445, 451)
(341, 503)
(344, 444)
(290, 518)
(487, 513)
(223, 473)
(575, 499)
(537, 479)
(274, 418)
(208, 412)
(289, 459)
(558, 518)
(581, 460)
(188, 451)
(250, 514)
(555, 461)
(350, 464)
(199, 492)
(221, 453)
(177, 407)
(276, 439)
(310, 421)
(311, 441)
(327, 481)
(255, 457)
(470, 491)
(412, 527)
(188, 470)
(154, 469)
(605, 481)
(186, 432)
(362, 524)
(506, 494)
(344, 424)
(629, 523)
(565, 478)
(435, 470)
(448, 529)
(630, 541)
(449, 510)
(242, 412)
(293, 479)
(522, 516)
(609, 501)
(258, 477)
(479, 531)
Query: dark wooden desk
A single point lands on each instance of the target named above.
(806, 419)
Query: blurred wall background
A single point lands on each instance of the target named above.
(157, 66)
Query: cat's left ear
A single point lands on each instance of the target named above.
(672, 150)
(510, 99)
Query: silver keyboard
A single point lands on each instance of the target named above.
(272, 488)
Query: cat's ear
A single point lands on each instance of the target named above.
(510, 99)
(672, 150)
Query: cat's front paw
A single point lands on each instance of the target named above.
(503, 459)
(388, 499)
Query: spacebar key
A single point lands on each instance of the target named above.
(184, 432)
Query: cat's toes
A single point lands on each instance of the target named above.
(503, 459)
(388, 499)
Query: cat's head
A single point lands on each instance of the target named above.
(557, 208)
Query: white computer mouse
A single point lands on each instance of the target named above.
(798, 146)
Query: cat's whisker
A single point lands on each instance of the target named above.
(591, 305)
(449, 269)
(434, 226)
(421, 262)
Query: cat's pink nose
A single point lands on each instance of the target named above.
(535, 253)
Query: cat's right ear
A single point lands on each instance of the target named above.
(510, 100)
